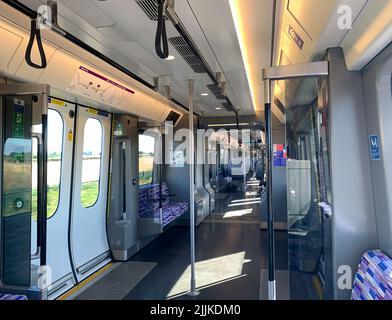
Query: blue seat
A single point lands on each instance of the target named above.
(12, 297)
(373, 280)
(149, 204)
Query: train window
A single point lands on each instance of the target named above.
(146, 159)
(34, 179)
(55, 153)
(91, 168)
(55, 156)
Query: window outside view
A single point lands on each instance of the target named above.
(55, 150)
(146, 159)
(91, 169)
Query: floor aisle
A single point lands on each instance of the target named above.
(230, 253)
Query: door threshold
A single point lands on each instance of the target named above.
(89, 281)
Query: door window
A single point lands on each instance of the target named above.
(91, 167)
(55, 156)
(146, 159)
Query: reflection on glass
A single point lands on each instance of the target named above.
(146, 159)
(16, 176)
(307, 174)
(91, 168)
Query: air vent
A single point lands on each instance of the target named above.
(173, 117)
(228, 106)
(89, 12)
(150, 8)
(187, 54)
(216, 91)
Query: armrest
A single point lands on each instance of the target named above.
(165, 197)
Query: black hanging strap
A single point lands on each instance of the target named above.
(161, 44)
(35, 33)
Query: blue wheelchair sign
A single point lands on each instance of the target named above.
(375, 147)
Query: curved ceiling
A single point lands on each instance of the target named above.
(123, 31)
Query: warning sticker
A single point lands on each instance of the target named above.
(57, 102)
(70, 135)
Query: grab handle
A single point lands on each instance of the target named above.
(161, 44)
(35, 32)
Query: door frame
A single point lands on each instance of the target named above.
(41, 91)
(313, 69)
(86, 269)
(67, 281)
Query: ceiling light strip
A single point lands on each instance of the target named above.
(244, 46)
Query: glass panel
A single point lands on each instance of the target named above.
(34, 195)
(91, 168)
(16, 193)
(55, 154)
(146, 159)
(34, 180)
(305, 157)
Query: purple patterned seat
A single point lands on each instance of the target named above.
(373, 280)
(12, 297)
(149, 204)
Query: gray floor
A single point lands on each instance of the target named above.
(118, 282)
(231, 260)
(230, 254)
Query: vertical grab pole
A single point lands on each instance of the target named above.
(270, 208)
(160, 178)
(44, 97)
(193, 291)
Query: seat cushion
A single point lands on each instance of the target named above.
(149, 199)
(12, 297)
(373, 280)
(149, 204)
(172, 211)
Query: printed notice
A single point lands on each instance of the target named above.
(93, 85)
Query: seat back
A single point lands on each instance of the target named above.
(149, 199)
(12, 297)
(373, 281)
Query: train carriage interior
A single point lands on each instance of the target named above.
(196, 150)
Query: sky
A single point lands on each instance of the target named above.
(146, 144)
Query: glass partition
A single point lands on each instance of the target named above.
(305, 157)
(16, 191)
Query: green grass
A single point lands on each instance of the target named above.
(145, 177)
(53, 199)
(89, 194)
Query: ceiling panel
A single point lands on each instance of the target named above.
(310, 14)
(218, 30)
(130, 42)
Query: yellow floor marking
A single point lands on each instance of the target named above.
(85, 282)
